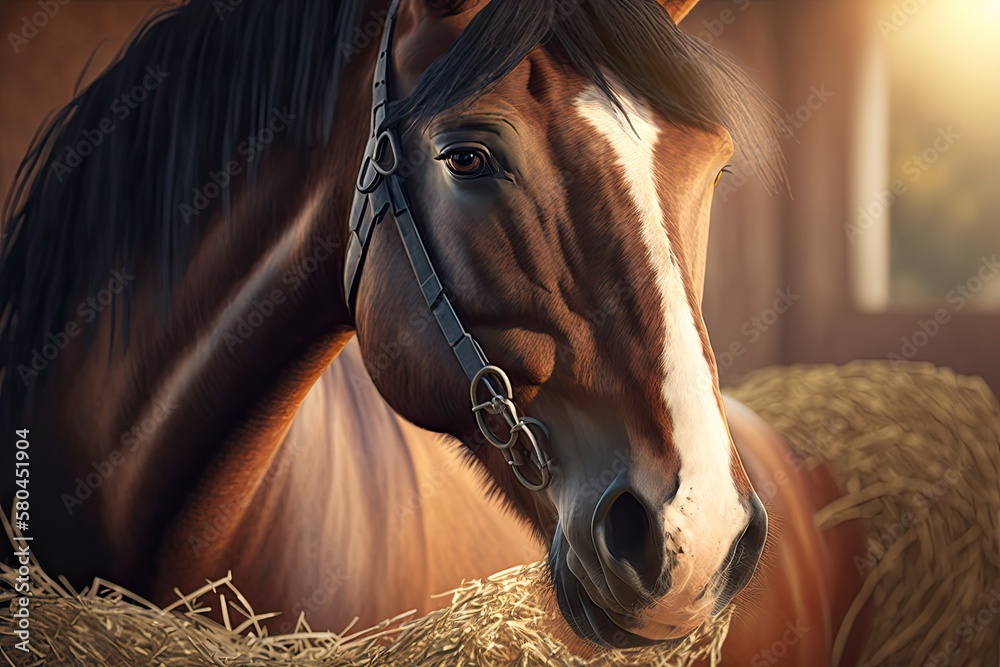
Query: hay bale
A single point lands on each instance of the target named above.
(917, 449)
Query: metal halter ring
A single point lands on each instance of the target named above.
(538, 458)
(372, 172)
(501, 404)
(498, 404)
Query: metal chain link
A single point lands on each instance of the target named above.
(500, 404)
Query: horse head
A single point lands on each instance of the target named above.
(560, 159)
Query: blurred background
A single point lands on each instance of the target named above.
(886, 246)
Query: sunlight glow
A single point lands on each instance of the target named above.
(926, 185)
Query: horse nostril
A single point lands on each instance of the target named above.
(627, 527)
(628, 537)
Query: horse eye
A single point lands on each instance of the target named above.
(467, 162)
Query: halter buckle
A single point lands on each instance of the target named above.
(385, 145)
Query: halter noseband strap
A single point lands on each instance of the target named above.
(380, 193)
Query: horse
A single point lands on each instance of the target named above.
(215, 340)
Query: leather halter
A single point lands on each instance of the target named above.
(380, 194)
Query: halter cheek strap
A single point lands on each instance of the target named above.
(380, 194)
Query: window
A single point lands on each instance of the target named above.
(926, 217)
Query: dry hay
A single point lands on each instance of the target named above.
(917, 449)
(492, 622)
(888, 435)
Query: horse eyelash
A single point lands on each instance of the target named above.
(724, 170)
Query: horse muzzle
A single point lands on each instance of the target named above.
(621, 580)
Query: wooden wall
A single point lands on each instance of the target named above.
(40, 75)
(811, 57)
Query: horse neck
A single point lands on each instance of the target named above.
(256, 318)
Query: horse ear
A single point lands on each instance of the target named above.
(678, 9)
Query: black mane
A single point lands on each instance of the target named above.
(229, 65)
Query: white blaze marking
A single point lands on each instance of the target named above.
(706, 516)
